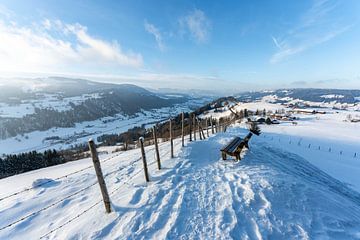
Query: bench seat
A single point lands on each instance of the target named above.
(233, 148)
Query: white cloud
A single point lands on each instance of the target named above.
(150, 28)
(46, 24)
(276, 42)
(55, 46)
(197, 24)
(316, 26)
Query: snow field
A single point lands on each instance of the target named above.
(271, 193)
(55, 190)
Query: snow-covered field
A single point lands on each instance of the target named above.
(53, 101)
(273, 193)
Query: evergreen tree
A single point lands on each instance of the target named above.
(246, 114)
(268, 121)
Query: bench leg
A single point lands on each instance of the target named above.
(223, 155)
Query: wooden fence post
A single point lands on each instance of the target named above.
(212, 125)
(198, 126)
(100, 176)
(201, 131)
(182, 129)
(190, 127)
(207, 127)
(194, 124)
(171, 139)
(156, 148)
(141, 140)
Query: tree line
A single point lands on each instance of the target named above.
(19, 163)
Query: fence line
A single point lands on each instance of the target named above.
(59, 178)
(132, 163)
(56, 179)
(61, 200)
(98, 202)
(315, 147)
(47, 207)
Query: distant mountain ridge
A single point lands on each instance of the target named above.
(15, 90)
(306, 94)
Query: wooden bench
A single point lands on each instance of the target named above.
(235, 147)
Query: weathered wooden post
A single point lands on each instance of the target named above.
(198, 126)
(207, 127)
(141, 140)
(194, 124)
(202, 132)
(182, 129)
(156, 148)
(171, 139)
(212, 125)
(99, 175)
(190, 127)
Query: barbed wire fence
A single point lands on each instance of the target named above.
(190, 127)
(312, 146)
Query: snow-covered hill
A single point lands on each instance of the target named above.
(271, 194)
(305, 94)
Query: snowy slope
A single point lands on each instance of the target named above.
(270, 194)
(67, 137)
(334, 141)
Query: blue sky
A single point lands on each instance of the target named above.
(227, 45)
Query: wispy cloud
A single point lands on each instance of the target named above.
(150, 28)
(276, 42)
(316, 26)
(4, 11)
(197, 24)
(54, 45)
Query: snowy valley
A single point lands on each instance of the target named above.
(298, 180)
(58, 113)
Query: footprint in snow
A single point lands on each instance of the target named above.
(137, 196)
(44, 183)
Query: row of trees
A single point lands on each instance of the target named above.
(132, 135)
(19, 163)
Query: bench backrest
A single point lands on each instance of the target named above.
(232, 146)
